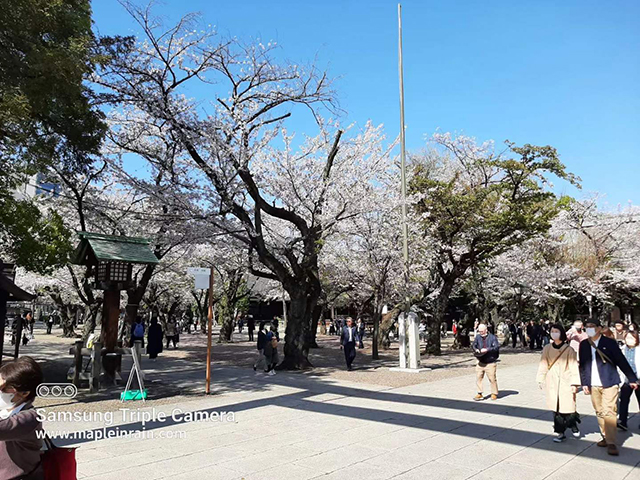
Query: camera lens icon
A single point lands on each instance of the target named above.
(57, 390)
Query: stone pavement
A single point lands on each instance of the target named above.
(291, 426)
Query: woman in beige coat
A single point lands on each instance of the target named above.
(559, 376)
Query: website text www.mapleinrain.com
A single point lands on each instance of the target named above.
(111, 432)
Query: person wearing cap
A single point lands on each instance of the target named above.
(600, 358)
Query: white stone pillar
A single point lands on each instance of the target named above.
(402, 340)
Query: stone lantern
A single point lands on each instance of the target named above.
(111, 259)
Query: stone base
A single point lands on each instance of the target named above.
(410, 370)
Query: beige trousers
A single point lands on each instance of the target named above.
(490, 370)
(605, 403)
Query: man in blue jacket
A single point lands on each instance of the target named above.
(600, 357)
(486, 348)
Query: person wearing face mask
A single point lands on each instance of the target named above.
(559, 376)
(19, 443)
(486, 349)
(600, 357)
(619, 332)
(576, 334)
(632, 354)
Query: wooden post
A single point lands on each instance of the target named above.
(78, 363)
(209, 328)
(96, 367)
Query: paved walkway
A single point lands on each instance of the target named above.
(295, 427)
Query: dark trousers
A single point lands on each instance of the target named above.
(626, 393)
(250, 335)
(171, 338)
(349, 353)
(514, 340)
(49, 326)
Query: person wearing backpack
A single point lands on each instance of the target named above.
(559, 376)
(137, 331)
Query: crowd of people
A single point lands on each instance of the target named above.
(599, 361)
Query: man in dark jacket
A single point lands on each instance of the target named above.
(486, 348)
(600, 357)
(348, 339)
(262, 341)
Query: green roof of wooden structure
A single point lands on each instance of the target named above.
(15, 292)
(112, 248)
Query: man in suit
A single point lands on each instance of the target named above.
(600, 357)
(348, 339)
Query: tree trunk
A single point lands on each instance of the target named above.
(90, 317)
(225, 317)
(433, 324)
(317, 313)
(297, 335)
(386, 322)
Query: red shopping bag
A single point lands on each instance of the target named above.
(58, 463)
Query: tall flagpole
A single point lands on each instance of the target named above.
(405, 227)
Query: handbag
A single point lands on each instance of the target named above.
(58, 463)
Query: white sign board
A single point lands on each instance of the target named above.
(198, 271)
(202, 282)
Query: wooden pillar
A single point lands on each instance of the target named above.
(96, 367)
(110, 317)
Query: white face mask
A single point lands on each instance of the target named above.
(555, 335)
(6, 400)
(591, 332)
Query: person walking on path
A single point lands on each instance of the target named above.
(49, 322)
(251, 326)
(170, 333)
(137, 332)
(154, 339)
(487, 350)
(513, 331)
(576, 334)
(262, 341)
(348, 339)
(599, 356)
(361, 328)
(271, 355)
(632, 354)
(559, 376)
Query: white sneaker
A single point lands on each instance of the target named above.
(272, 372)
(559, 438)
(575, 433)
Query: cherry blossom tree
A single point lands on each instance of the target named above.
(236, 166)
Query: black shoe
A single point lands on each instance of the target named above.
(622, 427)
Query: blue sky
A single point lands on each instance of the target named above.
(562, 73)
